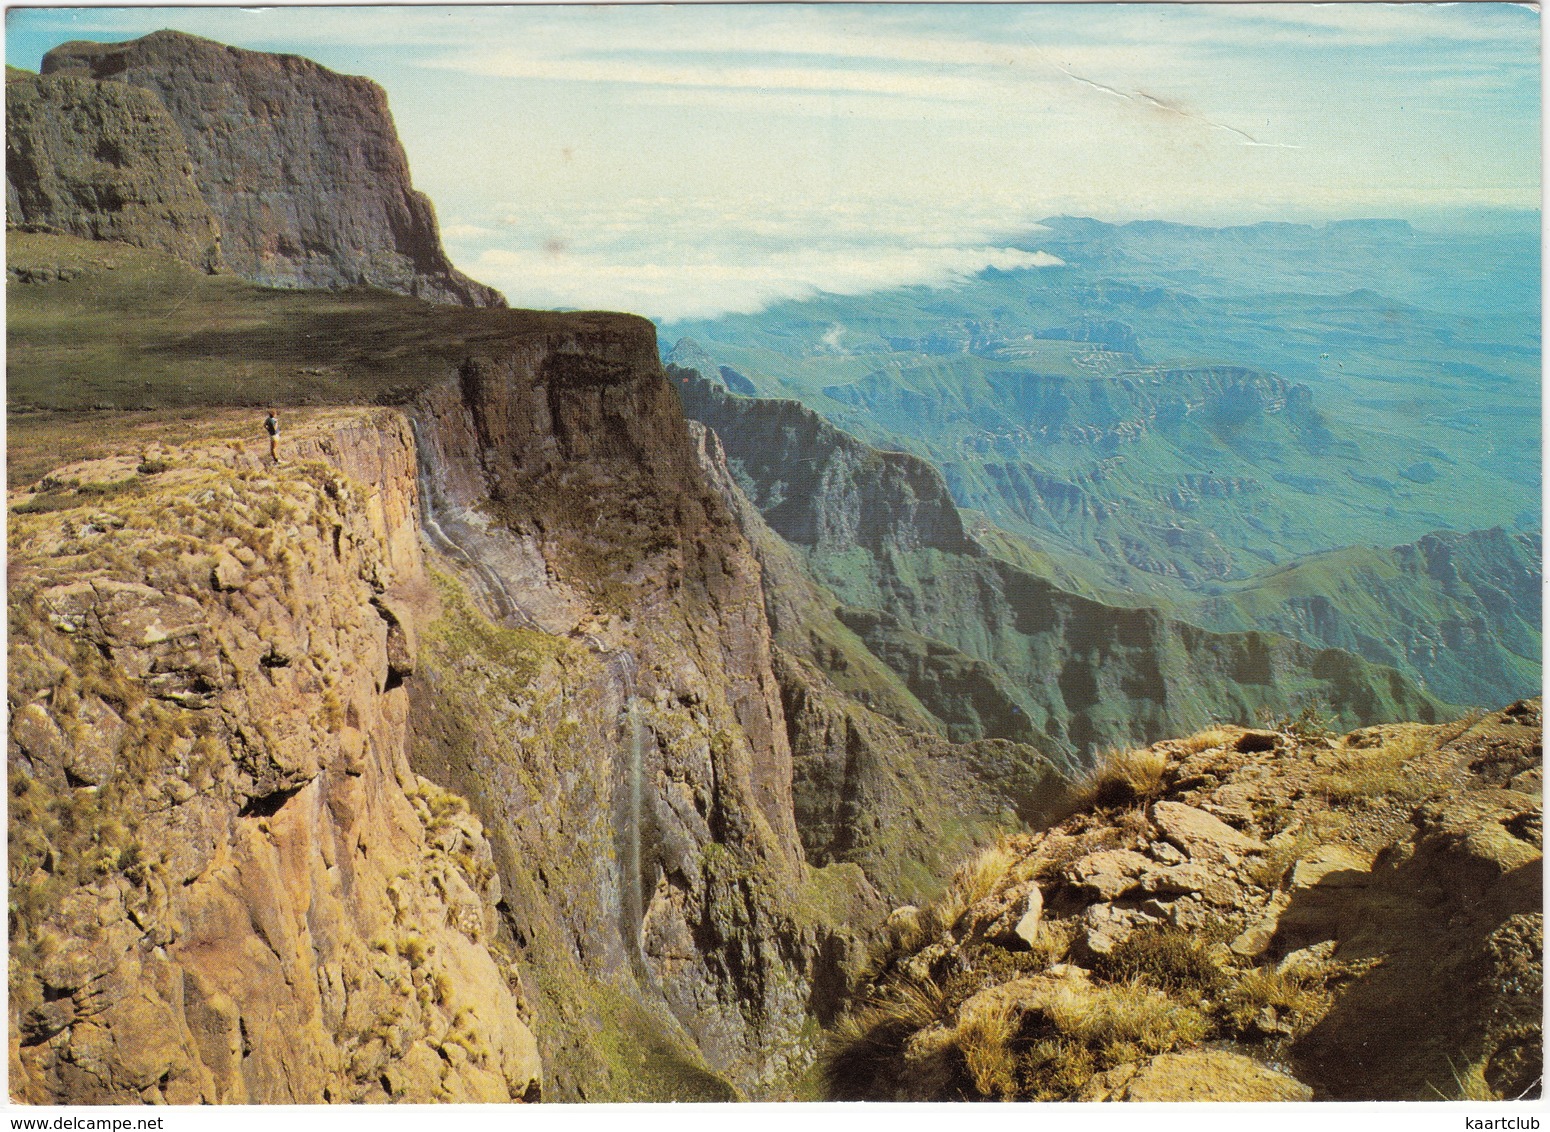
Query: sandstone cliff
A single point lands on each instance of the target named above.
(227, 883)
(103, 162)
(301, 167)
(584, 645)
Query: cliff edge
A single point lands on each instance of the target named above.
(227, 884)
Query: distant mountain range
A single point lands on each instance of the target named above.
(1182, 415)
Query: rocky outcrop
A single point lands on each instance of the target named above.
(599, 685)
(228, 885)
(1200, 1075)
(1363, 911)
(103, 162)
(301, 167)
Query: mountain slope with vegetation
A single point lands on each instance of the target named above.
(1177, 413)
(988, 648)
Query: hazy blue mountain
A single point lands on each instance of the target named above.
(1186, 406)
(1278, 427)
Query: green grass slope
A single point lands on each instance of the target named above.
(1459, 613)
(109, 327)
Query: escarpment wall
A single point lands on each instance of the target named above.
(103, 162)
(817, 486)
(601, 679)
(227, 883)
(989, 649)
(302, 167)
(874, 783)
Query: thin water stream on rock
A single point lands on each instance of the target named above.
(447, 531)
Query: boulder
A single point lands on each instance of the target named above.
(1211, 1075)
(1027, 926)
(1108, 874)
(1255, 939)
(1201, 835)
(1106, 927)
(1332, 866)
(1177, 880)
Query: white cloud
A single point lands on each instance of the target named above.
(519, 64)
(712, 284)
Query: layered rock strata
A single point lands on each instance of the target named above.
(301, 167)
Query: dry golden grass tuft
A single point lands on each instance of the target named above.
(1125, 1021)
(984, 1038)
(1379, 772)
(1204, 740)
(1123, 778)
(1055, 1069)
(1298, 999)
(1053, 941)
(866, 1048)
(973, 882)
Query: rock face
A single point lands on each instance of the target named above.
(228, 885)
(583, 654)
(301, 167)
(652, 727)
(820, 487)
(874, 782)
(103, 162)
(1363, 911)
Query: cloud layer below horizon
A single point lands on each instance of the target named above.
(686, 160)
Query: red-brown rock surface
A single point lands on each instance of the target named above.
(227, 883)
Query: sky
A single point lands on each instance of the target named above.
(687, 161)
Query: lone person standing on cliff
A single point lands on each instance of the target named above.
(272, 427)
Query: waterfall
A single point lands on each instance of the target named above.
(630, 808)
(632, 894)
(459, 534)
